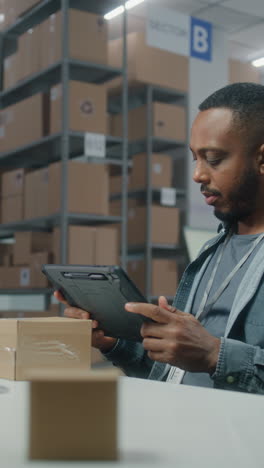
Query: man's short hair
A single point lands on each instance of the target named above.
(246, 101)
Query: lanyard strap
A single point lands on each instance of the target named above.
(206, 306)
(176, 374)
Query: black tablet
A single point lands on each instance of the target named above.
(102, 291)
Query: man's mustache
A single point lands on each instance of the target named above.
(206, 189)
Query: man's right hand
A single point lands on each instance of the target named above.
(99, 340)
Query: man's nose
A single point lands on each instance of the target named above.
(201, 174)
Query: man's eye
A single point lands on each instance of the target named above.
(213, 162)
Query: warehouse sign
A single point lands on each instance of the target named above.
(179, 33)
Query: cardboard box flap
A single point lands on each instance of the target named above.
(8, 333)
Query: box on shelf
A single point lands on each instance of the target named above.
(11, 67)
(13, 183)
(23, 122)
(164, 276)
(148, 65)
(243, 72)
(74, 415)
(38, 279)
(56, 342)
(115, 183)
(28, 53)
(12, 209)
(6, 254)
(165, 225)
(36, 193)
(168, 121)
(89, 245)
(88, 188)
(31, 242)
(87, 108)
(161, 171)
(14, 277)
(87, 38)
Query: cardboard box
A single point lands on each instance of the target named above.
(43, 343)
(30, 242)
(10, 71)
(115, 183)
(74, 417)
(6, 254)
(243, 72)
(12, 209)
(36, 193)
(87, 38)
(165, 225)
(168, 121)
(15, 277)
(164, 276)
(8, 314)
(13, 183)
(87, 108)
(17, 130)
(148, 64)
(38, 279)
(88, 188)
(89, 245)
(161, 171)
(28, 54)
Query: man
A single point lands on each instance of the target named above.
(213, 335)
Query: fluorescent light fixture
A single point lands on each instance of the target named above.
(112, 14)
(2, 18)
(258, 62)
(119, 10)
(132, 3)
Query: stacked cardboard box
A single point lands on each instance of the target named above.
(168, 121)
(87, 108)
(23, 122)
(165, 225)
(83, 182)
(164, 278)
(41, 46)
(89, 245)
(148, 65)
(12, 196)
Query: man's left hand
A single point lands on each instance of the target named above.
(176, 337)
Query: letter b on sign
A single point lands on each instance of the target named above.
(201, 39)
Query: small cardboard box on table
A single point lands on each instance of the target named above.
(73, 416)
(48, 342)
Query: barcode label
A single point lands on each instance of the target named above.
(168, 196)
(95, 145)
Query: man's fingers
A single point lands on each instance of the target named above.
(153, 345)
(154, 312)
(163, 302)
(60, 297)
(151, 329)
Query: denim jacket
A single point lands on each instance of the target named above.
(240, 365)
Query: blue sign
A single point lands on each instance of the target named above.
(201, 39)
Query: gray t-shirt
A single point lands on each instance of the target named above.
(215, 321)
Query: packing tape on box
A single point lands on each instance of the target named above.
(50, 348)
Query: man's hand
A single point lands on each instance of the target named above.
(99, 340)
(176, 337)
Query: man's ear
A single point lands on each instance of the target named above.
(260, 159)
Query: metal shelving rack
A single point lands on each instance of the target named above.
(147, 95)
(66, 144)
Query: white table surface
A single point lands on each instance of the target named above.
(160, 425)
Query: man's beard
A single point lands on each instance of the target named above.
(242, 199)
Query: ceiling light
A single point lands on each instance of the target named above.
(2, 18)
(258, 62)
(132, 3)
(112, 14)
(119, 10)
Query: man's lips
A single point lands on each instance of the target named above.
(210, 198)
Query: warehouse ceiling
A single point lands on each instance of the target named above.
(243, 20)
